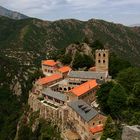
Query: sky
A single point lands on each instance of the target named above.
(119, 11)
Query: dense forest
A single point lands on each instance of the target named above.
(120, 100)
(12, 106)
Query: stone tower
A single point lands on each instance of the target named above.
(102, 60)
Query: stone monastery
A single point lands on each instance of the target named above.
(68, 98)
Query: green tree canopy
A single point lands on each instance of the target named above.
(111, 130)
(97, 45)
(86, 40)
(82, 60)
(103, 94)
(66, 59)
(133, 100)
(117, 100)
(128, 77)
(136, 90)
(117, 64)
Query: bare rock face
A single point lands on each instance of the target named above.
(17, 89)
(35, 125)
(131, 133)
(82, 48)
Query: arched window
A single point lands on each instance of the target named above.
(99, 61)
(103, 61)
(99, 54)
(93, 123)
(104, 55)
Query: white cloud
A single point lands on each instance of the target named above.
(28, 5)
(86, 3)
(82, 9)
(122, 2)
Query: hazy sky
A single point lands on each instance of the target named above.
(120, 11)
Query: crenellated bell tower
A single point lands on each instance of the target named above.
(102, 60)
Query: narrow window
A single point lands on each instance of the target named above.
(99, 61)
(99, 54)
(104, 55)
(103, 61)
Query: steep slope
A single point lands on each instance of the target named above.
(39, 36)
(11, 14)
(78, 56)
(26, 42)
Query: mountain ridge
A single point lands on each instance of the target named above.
(135, 25)
(11, 14)
(34, 34)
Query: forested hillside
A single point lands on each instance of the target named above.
(36, 35)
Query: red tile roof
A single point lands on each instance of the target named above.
(83, 88)
(64, 69)
(96, 129)
(46, 80)
(49, 62)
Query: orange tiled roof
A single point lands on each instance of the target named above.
(96, 129)
(64, 69)
(49, 62)
(83, 88)
(46, 80)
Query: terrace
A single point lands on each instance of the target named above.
(50, 104)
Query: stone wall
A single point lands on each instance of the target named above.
(57, 116)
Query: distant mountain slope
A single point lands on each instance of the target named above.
(11, 14)
(135, 25)
(40, 36)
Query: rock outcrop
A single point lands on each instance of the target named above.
(131, 133)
